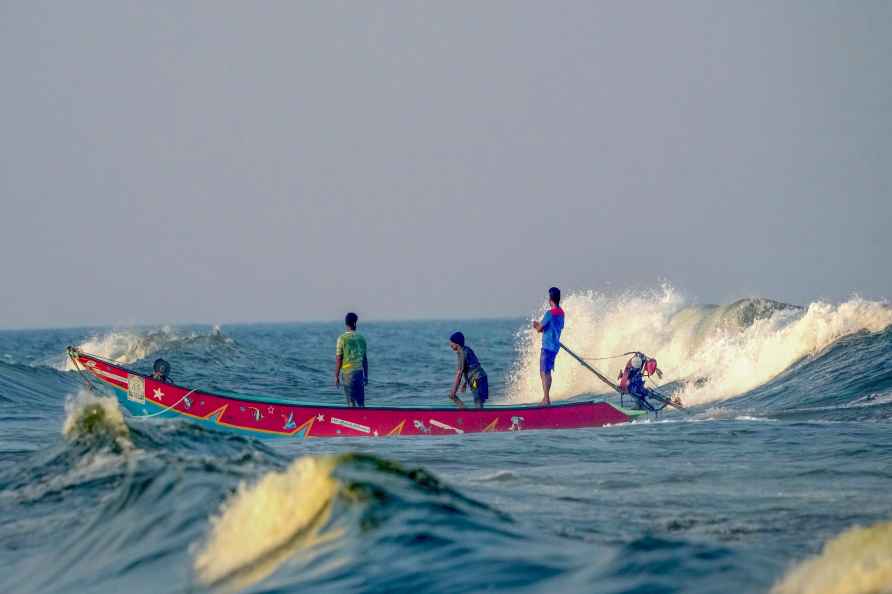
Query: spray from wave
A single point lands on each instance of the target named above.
(127, 346)
(717, 352)
(97, 419)
(859, 561)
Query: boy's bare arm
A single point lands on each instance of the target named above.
(458, 375)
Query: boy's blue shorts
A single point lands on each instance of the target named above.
(546, 361)
(354, 387)
(480, 388)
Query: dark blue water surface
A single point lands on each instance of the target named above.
(725, 499)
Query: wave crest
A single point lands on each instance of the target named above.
(95, 418)
(127, 346)
(262, 524)
(317, 501)
(859, 561)
(714, 352)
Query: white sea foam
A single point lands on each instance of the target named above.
(498, 476)
(124, 346)
(872, 399)
(90, 420)
(128, 345)
(719, 351)
(88, 416)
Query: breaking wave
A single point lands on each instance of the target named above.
(712, 352)
(859, 561)
(128, 346)
(95, 418)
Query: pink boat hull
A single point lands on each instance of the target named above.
(264, 418)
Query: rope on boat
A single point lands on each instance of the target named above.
(161, 412)
(590, 368)
(89, 384)
(77, 368)
(604, 358)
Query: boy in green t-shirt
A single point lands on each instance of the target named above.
(351, 361)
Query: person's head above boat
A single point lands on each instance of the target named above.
(350, 320)
(456, 341)
(469, 373)
(161, 370)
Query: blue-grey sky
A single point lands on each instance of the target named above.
(243, 161)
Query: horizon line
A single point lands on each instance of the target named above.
(256, 322)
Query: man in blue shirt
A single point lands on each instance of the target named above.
(550, 327)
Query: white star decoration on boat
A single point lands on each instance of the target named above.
(158, 394)
(320, 418)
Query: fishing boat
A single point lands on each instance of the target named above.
(143, 396)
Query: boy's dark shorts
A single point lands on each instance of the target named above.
(354, 387)
(480, 389)
(546, 361)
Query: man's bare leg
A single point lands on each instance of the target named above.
(546, 388)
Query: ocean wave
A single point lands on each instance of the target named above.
(858, 561)
(128, 346)
(21, 384)
(319, 500)
(96, 419)
(711, 353)
(97, 447)
(263, 524)
(499, 476)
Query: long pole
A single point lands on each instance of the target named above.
(590, 368)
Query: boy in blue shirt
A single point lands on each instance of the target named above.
(550, 327)
(468, 373)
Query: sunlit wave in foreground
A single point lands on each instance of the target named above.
(859, 561)
(263, 524)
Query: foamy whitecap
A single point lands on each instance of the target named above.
(263, 524)
(719, 351)
(127, 346)
(92, 417)
(859, 561)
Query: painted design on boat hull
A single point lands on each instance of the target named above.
(264, 419)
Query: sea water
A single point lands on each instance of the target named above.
(778, 478)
